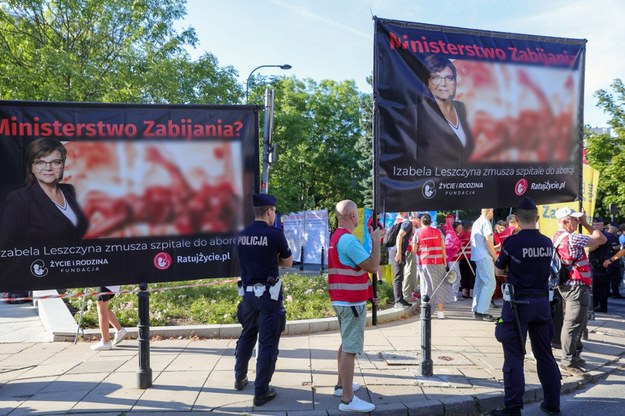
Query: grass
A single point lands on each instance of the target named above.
(305, 297)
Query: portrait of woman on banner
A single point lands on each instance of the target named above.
(45, 211)
(443, 134)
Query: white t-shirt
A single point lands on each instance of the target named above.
(480, 232)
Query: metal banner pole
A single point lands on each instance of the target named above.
(144, 374)
(82, 312)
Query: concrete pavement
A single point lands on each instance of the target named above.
(193, 375)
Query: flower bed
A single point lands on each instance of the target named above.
(305, 297)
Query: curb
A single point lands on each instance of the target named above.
(62, 326)
(54, 315)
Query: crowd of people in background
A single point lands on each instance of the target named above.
(458, 255)
(420, 250)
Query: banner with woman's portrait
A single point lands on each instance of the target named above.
(471, 119)
(99, 194)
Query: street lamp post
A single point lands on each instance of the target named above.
(247, 82)
(268, 130)
(268, 146)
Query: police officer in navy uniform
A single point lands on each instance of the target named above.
(525, 259)
(600, 276)
(261, 249)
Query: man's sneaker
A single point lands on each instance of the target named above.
(240, 384)
(440, 314)
(579, 361)
(357, 405)
(484, 317)
(506, 412)
(401, 306)
(573, 369)
(493, 304)
(338, 390)
(102, 346)
(404, 302)
(119, 336)
(549, 410)
(264, 398)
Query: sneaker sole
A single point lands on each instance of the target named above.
(102, 349)
(345, 409)
(117, 342)
(574, 372)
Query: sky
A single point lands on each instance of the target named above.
(333, 39)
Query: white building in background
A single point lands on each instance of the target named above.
(601, 130)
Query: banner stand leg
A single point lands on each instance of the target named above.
(82, 312)
(144, 374)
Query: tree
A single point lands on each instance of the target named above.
(317, 128)
(606, 153)
(364, 146)
(105, 51)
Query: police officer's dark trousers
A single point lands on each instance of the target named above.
(534, 318)
(264, 318)
(616, 277)
(600, 287)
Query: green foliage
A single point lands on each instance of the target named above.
(607, 153)
(364, 146)
(318, 127)
(105, 51)
(304, 298)
(614, 104)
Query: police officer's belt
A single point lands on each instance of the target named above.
(539, 294)
(598, 263)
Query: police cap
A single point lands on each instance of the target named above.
(264, 200)
(597, 219)
(527, 204)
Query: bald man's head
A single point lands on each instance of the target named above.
(347, 214)
(345, 207)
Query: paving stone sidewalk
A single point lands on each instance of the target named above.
(192, 375)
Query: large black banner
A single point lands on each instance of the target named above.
(475, 119)
(98, 194)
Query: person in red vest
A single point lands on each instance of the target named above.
(576, 291)
(453, 247)
(467, 267)
(350, 289)
(430, 250)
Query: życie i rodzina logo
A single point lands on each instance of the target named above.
(38, 268)
(429, 189)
